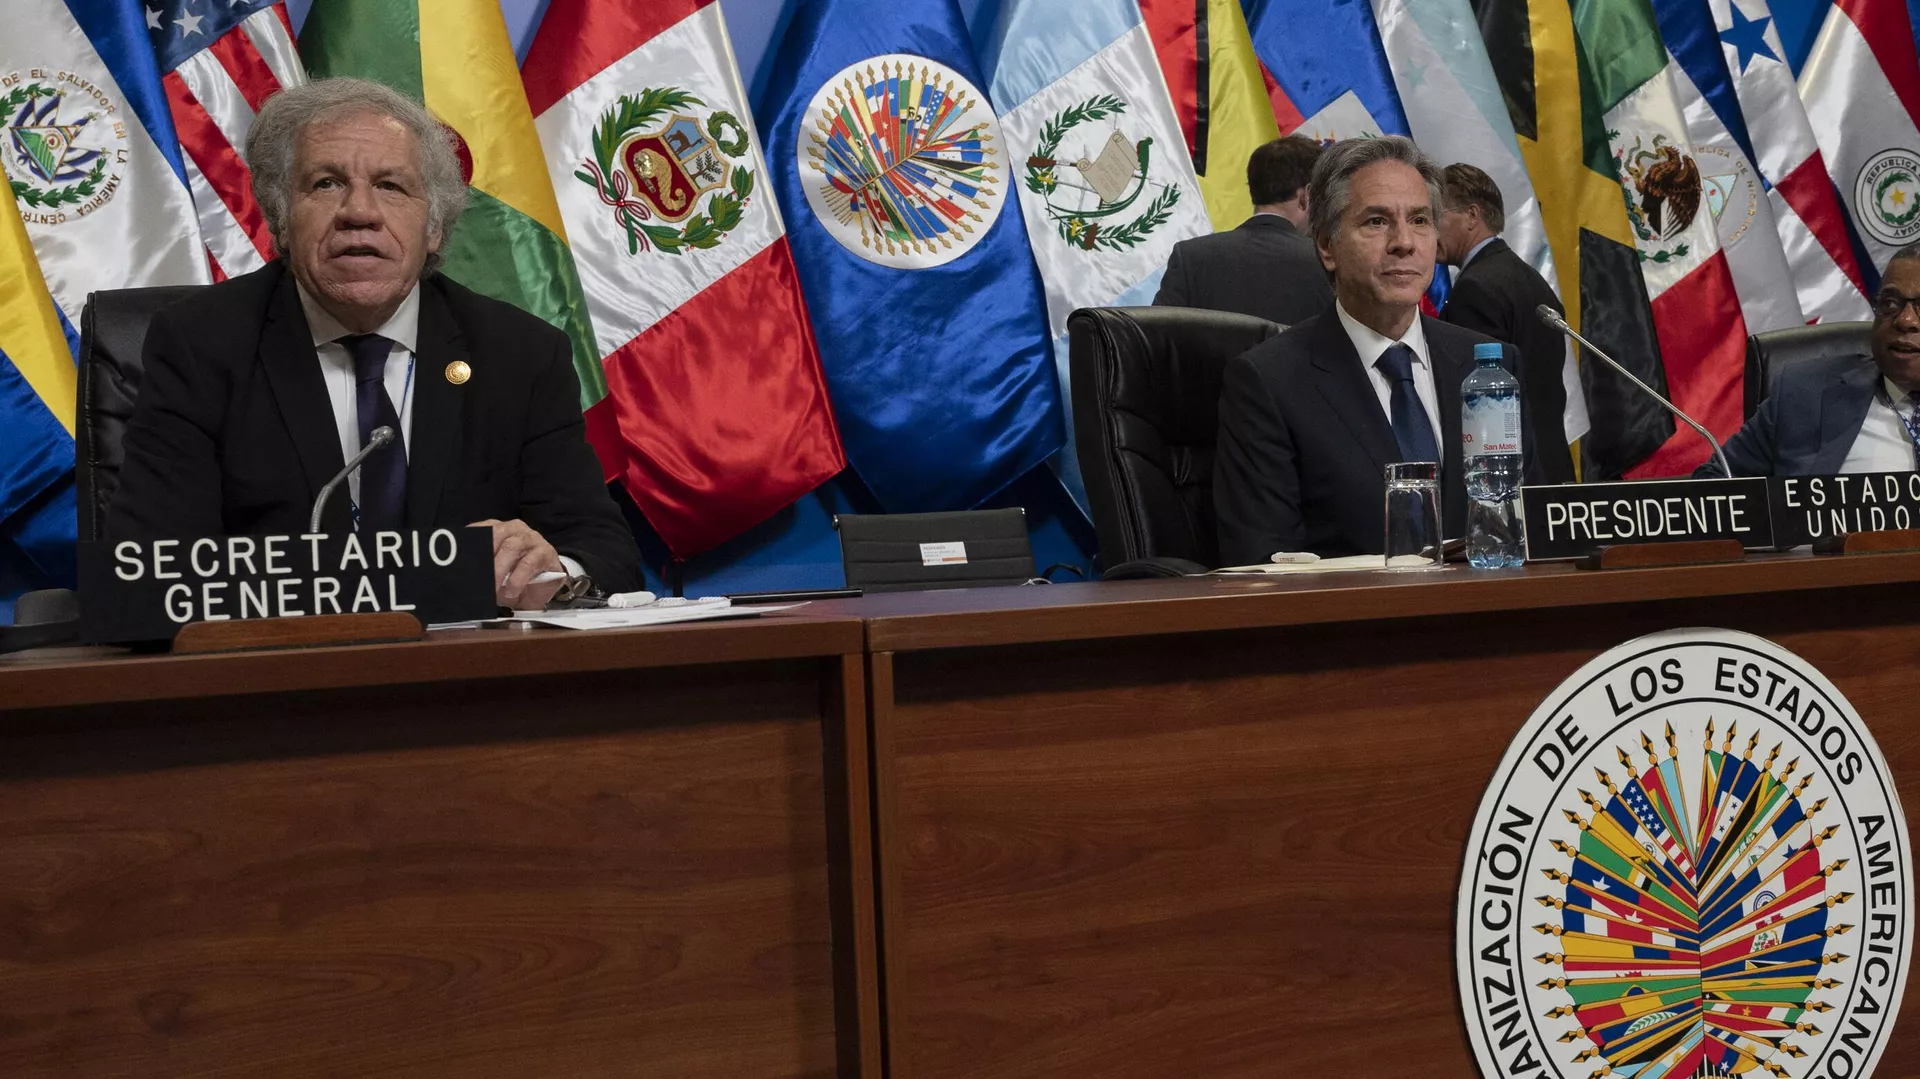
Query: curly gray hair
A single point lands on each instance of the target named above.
(285, 117)
(1328, 191)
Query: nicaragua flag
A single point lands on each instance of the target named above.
(91, 151)
(896, 181)
(1105, 182)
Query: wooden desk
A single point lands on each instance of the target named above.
(1215, 828)
(487, 854)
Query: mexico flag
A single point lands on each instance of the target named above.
(715, 416)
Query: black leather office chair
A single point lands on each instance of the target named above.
(1768, 352)
(113, 330)
(1146, 409)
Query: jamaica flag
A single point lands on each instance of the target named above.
(1641, 271)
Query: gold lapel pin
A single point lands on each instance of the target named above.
(458, 372)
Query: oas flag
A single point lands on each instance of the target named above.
(896, 179)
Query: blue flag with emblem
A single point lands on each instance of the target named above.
(896, 183)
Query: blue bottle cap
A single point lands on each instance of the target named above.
(1489, 350)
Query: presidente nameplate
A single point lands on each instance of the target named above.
(1809, 508)
(145, 590)
(1574, 520)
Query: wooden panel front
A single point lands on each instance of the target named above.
(603, 873)
(1236, 854)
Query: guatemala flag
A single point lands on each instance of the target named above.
(1103, 175)
(896, 182)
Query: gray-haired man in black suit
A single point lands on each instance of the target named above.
(1267, 267)
(1310, 419)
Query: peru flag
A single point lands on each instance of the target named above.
(716, 414)
(1861, 86)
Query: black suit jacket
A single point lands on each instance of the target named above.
(1807, 424)
(233, 433)
(1497, 294)
(1304, 444)
(1264, 268)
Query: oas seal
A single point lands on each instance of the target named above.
(902, 161)
(1691, 863)
(1886, 196)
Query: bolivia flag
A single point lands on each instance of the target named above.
(454, 55)
(1226, 103)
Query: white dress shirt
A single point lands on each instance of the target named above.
(1370, 345)
(1883, 444)
(336, 366)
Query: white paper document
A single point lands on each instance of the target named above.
(661, 613)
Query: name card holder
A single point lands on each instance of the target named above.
(1681, 553)
(305, 631)
(1883, 541)
(224, 593)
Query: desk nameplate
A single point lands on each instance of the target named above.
(1574, 520)
(145, 590)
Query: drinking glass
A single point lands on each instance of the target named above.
(1413, 516)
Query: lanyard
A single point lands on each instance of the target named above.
(1911, 420)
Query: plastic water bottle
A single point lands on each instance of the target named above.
(1490, 427)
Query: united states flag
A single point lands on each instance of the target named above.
(220, 60)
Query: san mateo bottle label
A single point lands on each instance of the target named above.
(1491, 426)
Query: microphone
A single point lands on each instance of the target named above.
(1552, 318)
(381, 436)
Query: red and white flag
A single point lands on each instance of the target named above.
(1861, 86)
(716, 415)
(219, 64)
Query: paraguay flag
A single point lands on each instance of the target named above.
(896, 181)
(1861, 86)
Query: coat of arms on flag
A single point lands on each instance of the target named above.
(1108, 178)
(903, 166)
(60, 152)
(1887, 195)
(652, 167)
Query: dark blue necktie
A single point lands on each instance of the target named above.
(383, 478)
(1411, 428)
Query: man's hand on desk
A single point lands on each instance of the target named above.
(519, 555)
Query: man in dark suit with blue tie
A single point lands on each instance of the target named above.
(258, 389)
(1310, 419)
(1848, 413)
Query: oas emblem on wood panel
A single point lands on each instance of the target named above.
(1692, 862)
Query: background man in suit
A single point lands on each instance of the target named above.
(1848, 413)
(1267, 267)
(1310, 419)
(257, 389)
(1496, 294)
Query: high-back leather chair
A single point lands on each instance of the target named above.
(1768, 352)
(1146, 410)
(113, 331)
